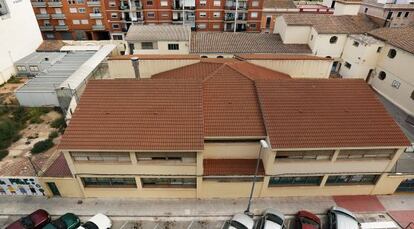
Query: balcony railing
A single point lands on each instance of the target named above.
(61, 28)
(39, 4)
(54, 4)
(42, 16)
(93, 3)
(46, 28)
(58, 16)
(95, 15)
(98, 27)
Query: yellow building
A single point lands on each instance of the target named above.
(195, 131)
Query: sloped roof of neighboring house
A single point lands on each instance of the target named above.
(325, 114)
(223, 167)
(332, 24)
(137, 114)
(399, 37)
(230, 102)
(59, 168)
(279, 57)
(279, 4)
(234, 43)
(50, 46)
(158, 33)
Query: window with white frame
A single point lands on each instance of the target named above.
(217, 3)
(203, 2)
(81, 10)
(370, 154)
(174, 157)
(86, 22)
(173, 46)
(216, 14)
(150, 14)
(73, 10)
(255, 3)
(253, 14)
(164, 3)
(305, 155)
(100, 156)
(203, 14)
(202, 25)
(114, 15)
(76, 22)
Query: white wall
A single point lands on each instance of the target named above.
(161, 47)
(19, 35)
(346, 9)
(291, 34)
(321, 46)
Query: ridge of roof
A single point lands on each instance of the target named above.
(213, 73)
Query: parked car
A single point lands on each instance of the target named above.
(35, 220)
(271, 219)
(340, 218)
(66, 221)
(98, 221)
(240, 221)
(307, 220)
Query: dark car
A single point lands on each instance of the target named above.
(36, 220)
(66, 221)
(307, 220)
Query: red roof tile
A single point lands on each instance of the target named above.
(234, 167)
(59, 168)
(157, 57)
(279, 57)
(137, 114)
(325, 114)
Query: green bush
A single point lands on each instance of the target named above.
(3, 154)
(53, 135)
(14, 79)
(42, 146)
(8, 133)
(59, 124)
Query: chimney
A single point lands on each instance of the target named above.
(135, 64)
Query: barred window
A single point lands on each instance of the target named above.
(169, 182)
(352, 179)
(366, 154)
(101, 156)
(295, 181)
(110, 182)
(305, 155)
(189, 157)
(232, 179)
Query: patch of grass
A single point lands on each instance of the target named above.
(3, 154)
(14, 79)
(42, 146)
(34, 113)
(8, 132)
(59, 124)
(53, 135)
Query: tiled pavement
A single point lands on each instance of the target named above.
(359, 203)
(404, 218)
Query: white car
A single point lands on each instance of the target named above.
(98, 221)
(271, 219)
(340, 218)
(240, 221)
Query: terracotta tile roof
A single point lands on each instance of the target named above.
(229, 97)
(158, 33)
(278, 57)
(279, 4)
(332, 24)
(157, 57)
(50, 46)
(59, 168)
(137, 114)
(398, 37)
(234, 167)
(325, 114)
(233, 43)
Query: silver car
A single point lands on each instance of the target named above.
(340, 218)
(271, 219)
(240, 221)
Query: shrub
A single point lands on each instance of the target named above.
(13, 79)
(8, 132)
(33, 114)
(42, 146)
(53, 135)
(59, 124)
(3, 153)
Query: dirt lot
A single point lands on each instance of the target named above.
(7, 92)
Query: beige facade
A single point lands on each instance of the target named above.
(346, 8)
(163, 47)
(292, 34)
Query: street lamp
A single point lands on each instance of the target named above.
(263, 145)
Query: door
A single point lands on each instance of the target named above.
(53, 188)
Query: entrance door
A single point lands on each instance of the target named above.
(52, 186)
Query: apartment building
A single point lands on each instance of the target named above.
(194, 132)
(396, 13)
(17, 23)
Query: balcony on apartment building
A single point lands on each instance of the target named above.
(46, 28)
(55, 4)
(98, 27)
(38, 4)
(43, 16)
(136, 5)
(124, 6)
(231, 5)
(95, 15)
(93, 3)
(58, 16)
(61, 28)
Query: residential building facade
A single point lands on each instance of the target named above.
(390, 13)
(17, 18)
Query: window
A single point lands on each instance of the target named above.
(73, 10)
(333, 39)
(173, 47)
(305, 155)
(352, 179)
(43, 11)
(406, 14)
(76, 22)
(33, 68)
(366, 154)
(365, 10)
(382, 75)
(164, 3)
(147, 45)
(81, 10)
(169, 182)
(109, 182)
(412, 95)
(151, 14)
(80, 1)
(399, 14)
(115, 26)
(311, 38)
(167, 157)
(392, 53)
(255, 3)
(149, 3)
(253, 14)
(232, 179)
(21, 68)
(86, 22)
(203, 14)
(216, 14)
(347, 65)
(253, 26)
(114, 15)
(202, 26)
(379, 49)
(216, 26)
(203, 2)
(356, 43)
(101, 157)
(295, 181)
(50, 36)
(217, 3)
(117, 37)
(164, 15)
(112, 4)
(220, 57)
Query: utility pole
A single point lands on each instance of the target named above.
(33, 166)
